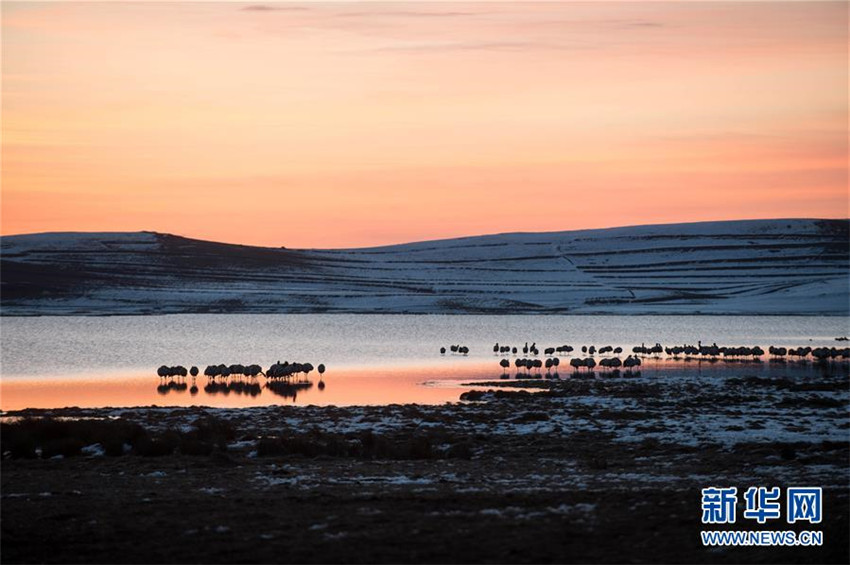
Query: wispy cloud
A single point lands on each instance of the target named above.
(267, 8)
(408, 13)
(436, 46)
(645, 24)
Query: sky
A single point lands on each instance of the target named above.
(358, 124)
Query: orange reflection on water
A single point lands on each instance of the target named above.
(423, 385)
(433, 384)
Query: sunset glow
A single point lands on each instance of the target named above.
(341, 125)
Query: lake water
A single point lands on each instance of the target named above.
(371, 359)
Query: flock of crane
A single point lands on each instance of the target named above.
(530, 368)
(282, 378)
(552, 363)
(459, 349)
(714, 351)
(287, 378)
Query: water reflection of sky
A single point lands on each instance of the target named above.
(341, 387)
(345, 387)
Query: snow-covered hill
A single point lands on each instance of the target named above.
(737, 267)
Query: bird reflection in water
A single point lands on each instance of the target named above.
(289, 389)
(251, 388)
(172, 385)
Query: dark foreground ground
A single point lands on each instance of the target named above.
(608, 470)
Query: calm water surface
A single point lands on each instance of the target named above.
(371, 359)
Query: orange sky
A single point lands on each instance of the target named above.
(337, 125)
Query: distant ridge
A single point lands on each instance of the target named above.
(784, 266)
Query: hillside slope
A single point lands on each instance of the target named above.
(736, 267)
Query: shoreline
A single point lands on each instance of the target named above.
(641, 314)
